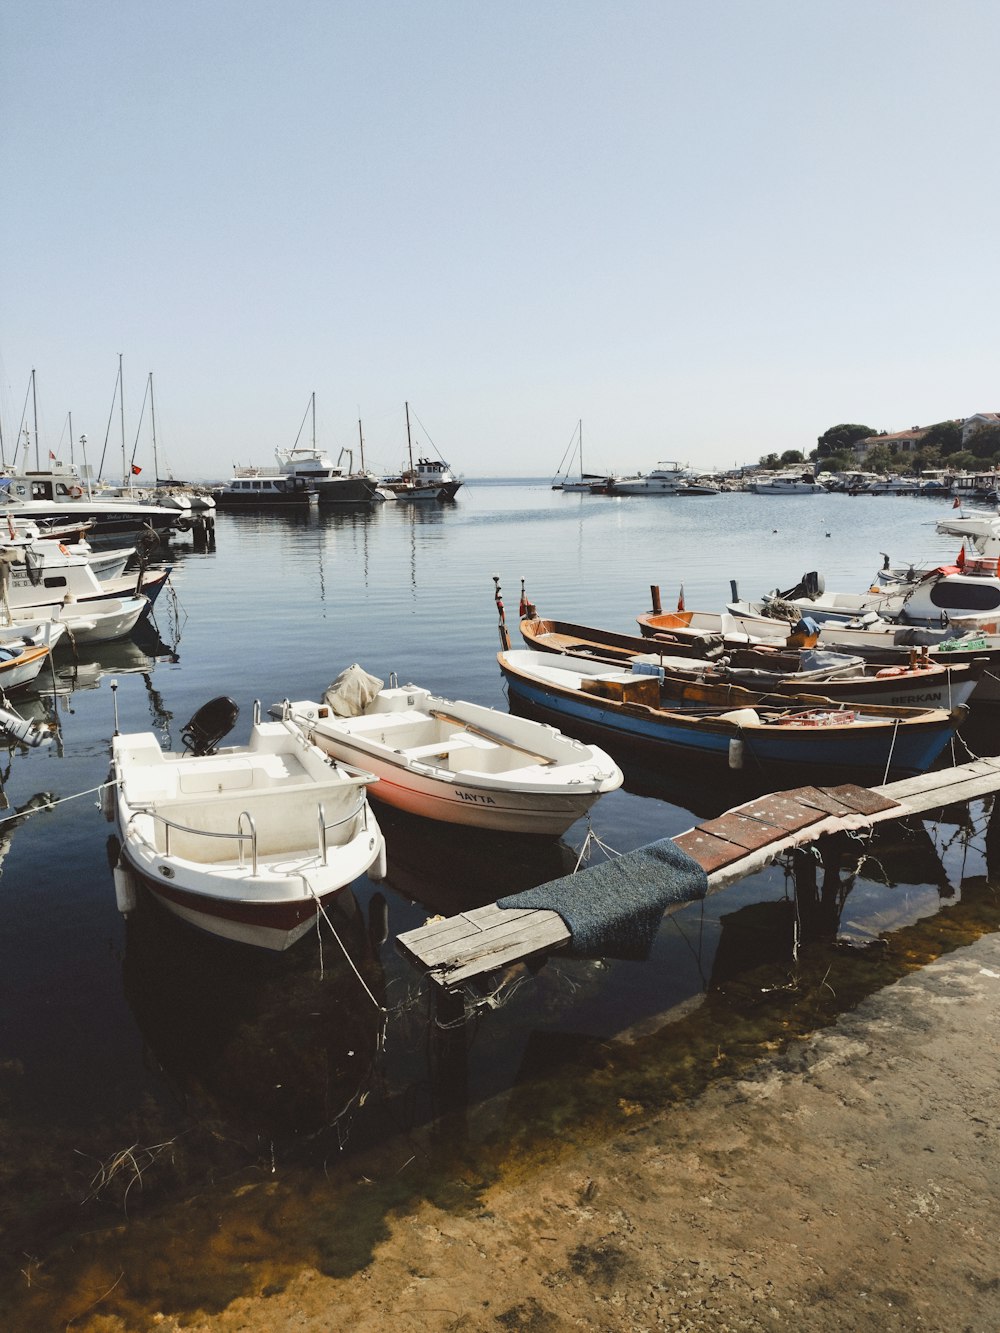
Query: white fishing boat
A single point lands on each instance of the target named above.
(453, 761)
(41, 580)
(425, 479)
(247, 842)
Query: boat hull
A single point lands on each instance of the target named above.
(471, 805)
(895, 749)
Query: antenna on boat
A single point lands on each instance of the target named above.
(114, 700)
(502, 627)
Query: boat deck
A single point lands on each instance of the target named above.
(457, 949)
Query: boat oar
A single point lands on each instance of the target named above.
(487, 735)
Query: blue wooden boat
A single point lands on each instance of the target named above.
(622, 707)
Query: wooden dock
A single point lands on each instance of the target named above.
(457, 949)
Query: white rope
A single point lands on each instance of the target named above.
(62, 800)
(888, 762)
(379, 1007)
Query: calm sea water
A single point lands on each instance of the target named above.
(142, 1065)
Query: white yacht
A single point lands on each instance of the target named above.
(665, 479)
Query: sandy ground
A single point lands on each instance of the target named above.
(850, 1183)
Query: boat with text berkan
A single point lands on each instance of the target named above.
(247, 842)
(622, 708)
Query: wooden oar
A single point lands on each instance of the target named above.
(494, 736)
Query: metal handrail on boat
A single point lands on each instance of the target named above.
(361, 808)
(241, 834)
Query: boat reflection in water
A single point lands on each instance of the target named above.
(448, 868)
(279, 1047)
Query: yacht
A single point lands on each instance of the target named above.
(665, 479)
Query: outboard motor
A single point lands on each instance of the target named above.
(813, 584)
(210, 724)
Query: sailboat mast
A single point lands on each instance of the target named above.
(152, 417)
(313, 404)
(361, 441)
(34, 407)
(126, 475)
(70, 439)
(581, 448)
(409, 441)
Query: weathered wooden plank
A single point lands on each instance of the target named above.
(710, 852)
(921, 802)
(861, 799)
(436, 944)
(820, 798)
(941, 778)
(533, 932)
(788, 809)
(744, 828)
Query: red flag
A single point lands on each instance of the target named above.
(135, 470)
(957, 503)
(680, 599)
(10, 527)
(52, 455)
(961, 558)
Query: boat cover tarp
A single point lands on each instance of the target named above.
(613, 910)
(352, 692)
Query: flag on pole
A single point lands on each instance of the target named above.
(10, 527)
(680, 599)
(135, 470)
(961, 558)
(52, 455)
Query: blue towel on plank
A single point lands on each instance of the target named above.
(613, 910)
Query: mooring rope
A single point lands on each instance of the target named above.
(60, 800)
(333, 929)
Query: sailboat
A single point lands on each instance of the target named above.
(589, 483)
(427, 479)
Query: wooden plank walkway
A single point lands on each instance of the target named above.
(738, 843)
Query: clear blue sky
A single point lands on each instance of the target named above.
(709, 230)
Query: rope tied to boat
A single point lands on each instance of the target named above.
(892, 746)
(321, 910)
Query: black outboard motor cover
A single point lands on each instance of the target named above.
(211, 723)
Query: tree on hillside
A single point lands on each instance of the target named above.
(839, 439)
(945, 436)
(985, 443)
(792, 456)
(882, 458)
(770, 461)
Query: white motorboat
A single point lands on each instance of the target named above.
(787, 484)
(247, 842)
(665, 479)
(333, 485)
(456, 762)
(103, 621)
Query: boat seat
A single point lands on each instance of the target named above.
(208, 778)
(435, 749)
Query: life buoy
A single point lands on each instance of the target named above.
(64, 549)
(75, 492)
